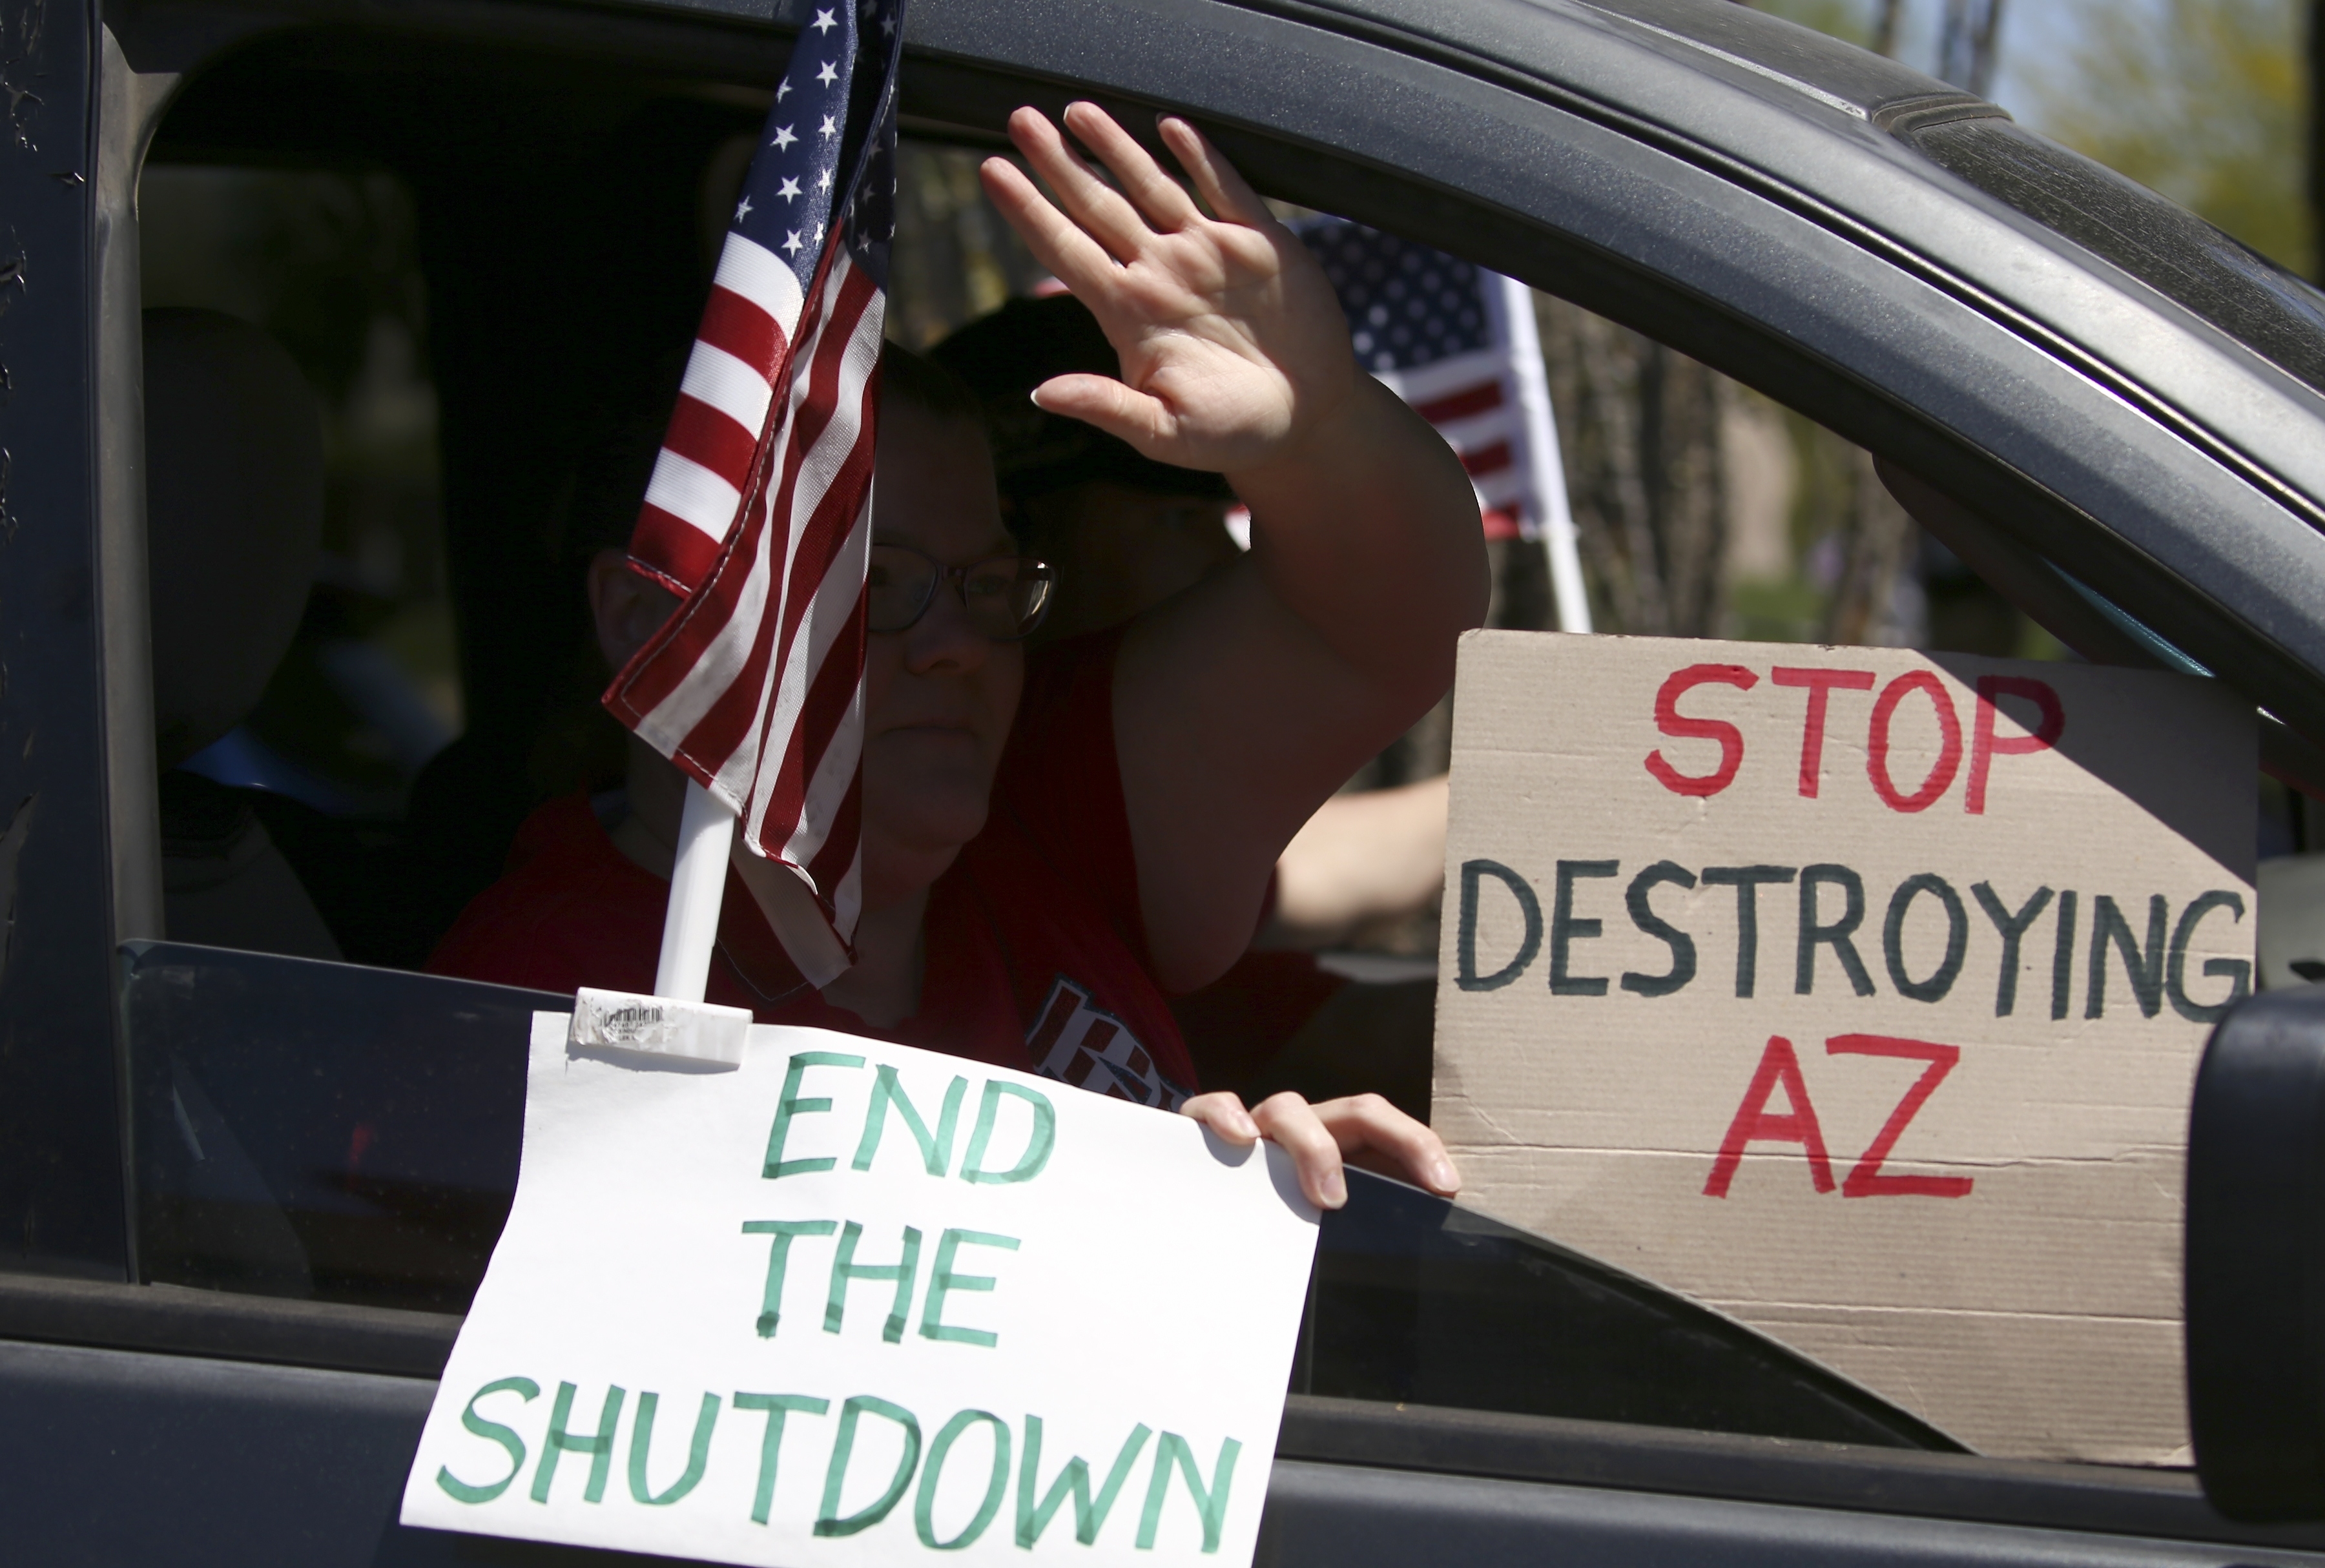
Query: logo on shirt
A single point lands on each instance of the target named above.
(1088, 1047)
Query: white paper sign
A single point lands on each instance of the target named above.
(852, 1303)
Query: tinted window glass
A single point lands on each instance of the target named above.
(1421, 1301)
(302, 690)
(321, 1131)
(329, 1132)
(2160, 243)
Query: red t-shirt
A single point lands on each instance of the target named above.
(1239, 1023)
(1035, 948)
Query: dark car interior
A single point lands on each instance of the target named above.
(555, 255)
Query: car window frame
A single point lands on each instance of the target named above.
(967, 94)
(70, 621)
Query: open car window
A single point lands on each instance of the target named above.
(347, 1132)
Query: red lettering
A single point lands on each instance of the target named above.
(1819, 685)
(1949, 747)
(1669, 719)
(1867, 1180)
(1986, 745)
(1753, 1124)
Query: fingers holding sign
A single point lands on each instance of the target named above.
(1363, 1130)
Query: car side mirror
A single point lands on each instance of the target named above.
(2255, 1259)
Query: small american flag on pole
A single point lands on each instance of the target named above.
(1459, 343)
(759, 510)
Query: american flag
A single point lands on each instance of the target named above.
(1458, 343)
(759, 510)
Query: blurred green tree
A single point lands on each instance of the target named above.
(2203, 100)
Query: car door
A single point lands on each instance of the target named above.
(1889, 259)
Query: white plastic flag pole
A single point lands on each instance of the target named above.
(689, 926)
(675, 1021)
(1545, 467)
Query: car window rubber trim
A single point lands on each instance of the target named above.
(176, 1320)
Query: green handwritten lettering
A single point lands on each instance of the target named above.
(598, 1445)
(942, 1281)
(936, 1149)
(924, 1503)
(770, 1300)
(771, 1442)
(460, 1492)
(697, 1452)
(792, 1105)
(846, 1270)
(829, 1522)
(1037, 1146)
(1211, 1501)
(1033, 1517)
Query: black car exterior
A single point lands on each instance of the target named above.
(2123, 393)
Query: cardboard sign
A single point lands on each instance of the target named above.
(1857, 993)
(851, 1302)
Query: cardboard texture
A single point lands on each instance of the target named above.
(849, 1303)
(1953, 1178)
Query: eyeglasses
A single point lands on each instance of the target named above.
(1005, 597)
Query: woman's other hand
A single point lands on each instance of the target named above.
(1363, 1130)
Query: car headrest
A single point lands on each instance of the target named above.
(234, 515)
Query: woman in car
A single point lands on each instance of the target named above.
(1052, 846)
(1124, 533)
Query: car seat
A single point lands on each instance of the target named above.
(234, 506)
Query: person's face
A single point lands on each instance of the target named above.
(1119, 552)
(940, 695)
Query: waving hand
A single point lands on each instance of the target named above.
(1234, 350)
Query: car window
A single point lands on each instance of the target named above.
(319, 1131)
(348, 1131)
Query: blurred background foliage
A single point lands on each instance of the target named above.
(2203, 100)
(2206, 101)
